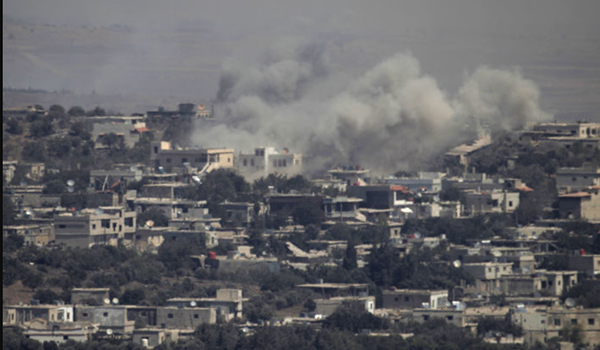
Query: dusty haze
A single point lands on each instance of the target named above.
(320, 76)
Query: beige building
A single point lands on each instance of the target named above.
(204, 160)
(580, 130)
(112, 317)
(37, 235)
(488, 270)
(105, 225)
(544, 324)
(228, 304)
(22, 314)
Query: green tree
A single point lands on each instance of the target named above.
(156, 215)
(352, 316)
(34, 152)
(56, 112)
(41, 128)
(14, 127)
(308, 212)
(96, 112)
(76, 111)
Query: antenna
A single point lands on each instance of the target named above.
(570, 302)
(456, 263)
(115, 301)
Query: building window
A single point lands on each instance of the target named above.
(94, 226)
(85, 314)
(251, 162)
(168, 160)
(574, 321)
(275, 163)
(143, 313)
(510, 203)
(245, 162)
(183, 160)
(557, 322)
(105, 314)
(170, 315)
(129, 222)
(105, 223)
(65, 337)
(591, 321)
(195, 315)
(425, 317)
(449, 318)
(406, 298)
(396, 299)
(285, 163)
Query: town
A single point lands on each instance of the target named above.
(119, 229)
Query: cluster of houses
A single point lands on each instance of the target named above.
(499, 266)
(93, 314)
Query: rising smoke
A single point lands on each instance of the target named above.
(393, 117)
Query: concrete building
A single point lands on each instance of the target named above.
(79, 332)
(112, 317)
(164, 155)
(423, 182)
(8, 169)
(580, 130)
(185, 317)
(488, 270)
(168, 198)
(583, 205)
(267, 160)
(105, 225)
(97, 296)
(328, 306)
(414, 298)
(461, 155)
(544, 324)
(101, 180)
(22, 314)
(129, 130)
(342, 208)
(150, 338)
(479, 202)
(337, 289)
(228, 303)
(587, 264)
(242, 213)
(38, 235)
(577, 179)
(351, 175)
(186, 112)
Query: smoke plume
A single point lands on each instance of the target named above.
(393, 117)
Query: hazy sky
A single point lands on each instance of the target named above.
(450, 38)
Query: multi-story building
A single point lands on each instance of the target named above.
(204, 160)
(577, 179)
(267, 160)
(478, 202)
(105, 225)
(583, 205)
(39, 235)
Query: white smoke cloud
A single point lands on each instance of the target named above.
(393, 117)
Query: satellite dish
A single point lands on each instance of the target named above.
(496, 253)
(28, 212)
(570, 302)
(106, 301)
(115, 301)
(448, 304)
(109, 331)
(99, 211)
(149, 223)
(417, 235)
(456, 263)
(197, 180)
(461, 306)
(70, 183)
(193, 303)
(70, 189)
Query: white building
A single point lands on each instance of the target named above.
(267, 160)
